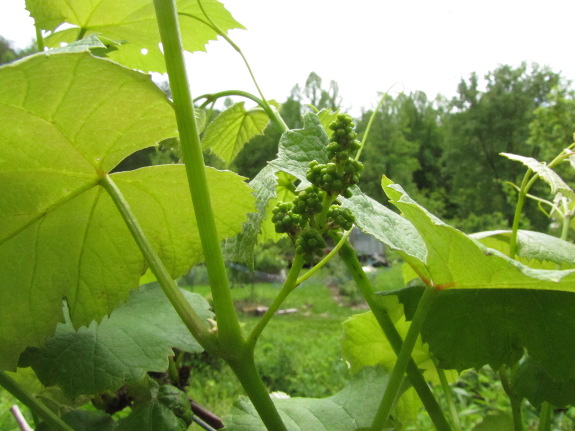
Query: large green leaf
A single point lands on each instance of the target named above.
(535, 249)
(132, 23)
(69, 119)
(352, 408)
(232, 129)
(120, 349)
(470, 328)
(455, 261)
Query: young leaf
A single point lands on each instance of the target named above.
(232, 129)
(120, 349)
(470, 328)
(455, 261)
(69, 119)
(350, 409)
(133, 22)
(545, 173)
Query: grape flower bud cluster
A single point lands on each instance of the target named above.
(315, 210)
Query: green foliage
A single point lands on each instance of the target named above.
(232, 129)
(128, 333)
(133, 25)
(349, 409)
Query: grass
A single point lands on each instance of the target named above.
(297, 353)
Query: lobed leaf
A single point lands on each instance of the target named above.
(352, 408)
(455, 261)
(232, 129)
(120, 349)
(133, 23)
(69, 119)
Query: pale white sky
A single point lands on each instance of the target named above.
(367, 46)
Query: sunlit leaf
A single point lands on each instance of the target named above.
(232, 129)
(68, 120)
(133, 23)
(455, 261)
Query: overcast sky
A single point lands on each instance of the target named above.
(368, 46)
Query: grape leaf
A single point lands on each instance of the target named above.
(352, 408)
(456, 261)
(133, 23)
(535, 249)
(470, 328)
(544, 172)
(532, 382)
(120, 349)
(364, 344)
(69, 119)
(232, 129)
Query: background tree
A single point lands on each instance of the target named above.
(483, 124)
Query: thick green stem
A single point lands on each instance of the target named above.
(545, 417)
(192, 321)
(36, 407)
(289, 285)
(210, 98)
(449, 399)
(245, 370)
(229, 330)
(416, 378)
(514, 399)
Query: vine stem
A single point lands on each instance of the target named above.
(35, 406)
(289, 285)
(232, 345)
(449, 399)
(229, 330)
(545, 417)
(192, 321)
(353, 265)
(515, 401)
(394, 383)
(526, 185)
(210, 23)
(210, 98)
